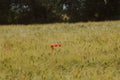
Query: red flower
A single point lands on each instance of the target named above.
(52, 46)
(59, 45)
(55, 45)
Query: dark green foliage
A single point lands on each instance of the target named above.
(4, 10)
(47, 11)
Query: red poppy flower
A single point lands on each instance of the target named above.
(55, 45)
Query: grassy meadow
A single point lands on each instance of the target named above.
(89, 51)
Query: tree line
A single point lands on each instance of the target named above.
(48, 11)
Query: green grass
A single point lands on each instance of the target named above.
(90, 51)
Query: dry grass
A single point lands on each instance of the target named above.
(90, 51)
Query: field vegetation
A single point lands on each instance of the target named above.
(89, 51)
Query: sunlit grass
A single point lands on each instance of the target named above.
(89, 51)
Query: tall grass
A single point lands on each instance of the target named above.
(90, 51)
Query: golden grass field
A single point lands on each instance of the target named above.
(89, 51)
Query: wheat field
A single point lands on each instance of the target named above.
(89, 51)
